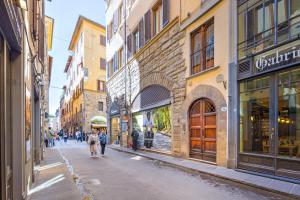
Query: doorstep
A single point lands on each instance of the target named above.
(188, 165)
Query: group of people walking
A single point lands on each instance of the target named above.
(96, 139)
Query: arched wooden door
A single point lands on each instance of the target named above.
(203, 130)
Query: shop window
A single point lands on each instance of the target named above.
(254, 116)
(202, 48)
(100, 106)
(289, 114)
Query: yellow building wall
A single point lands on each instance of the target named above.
(221, 60)
(93, 51)
(221, 48)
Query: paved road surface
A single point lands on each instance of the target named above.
(121, 176)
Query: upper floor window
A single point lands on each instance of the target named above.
(261, 27)
(102, 63)
(102, 40)
(202, 48)
(100, 86)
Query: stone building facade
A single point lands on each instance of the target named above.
(84, 95)
(176, 72)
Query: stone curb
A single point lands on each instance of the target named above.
(193, 171)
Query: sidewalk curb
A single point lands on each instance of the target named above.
(195, 171)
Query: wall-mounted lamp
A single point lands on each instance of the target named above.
(220, 79)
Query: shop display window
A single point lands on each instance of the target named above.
(254, 116)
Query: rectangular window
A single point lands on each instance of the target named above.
(254, 116)
(102, 40)
(257, 28)
(100, 106)
(100, 86)
(202, 48)
(136, 41)
(102, 63)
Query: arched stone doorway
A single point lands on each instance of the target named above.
(202, 126)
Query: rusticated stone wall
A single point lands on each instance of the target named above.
(160, 62)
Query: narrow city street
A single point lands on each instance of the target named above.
(124, 176)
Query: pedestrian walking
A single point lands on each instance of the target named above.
(135, 137)
(65, 137)
(93, 142)
(103, 141)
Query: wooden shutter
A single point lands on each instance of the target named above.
(129, 46)
(41, 36)
(166, 12)
(98, 85)
(147, 26)
(141, 33)
(117, 60)
(34, 19)
(108, 32)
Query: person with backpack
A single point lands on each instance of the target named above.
(93, 142)
(103, 141)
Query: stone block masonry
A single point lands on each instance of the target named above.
(161, 63)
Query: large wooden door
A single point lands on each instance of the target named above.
(203, 130)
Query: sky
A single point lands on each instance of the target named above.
(65, 14)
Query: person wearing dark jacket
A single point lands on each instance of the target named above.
(135, 137)
(103, 141)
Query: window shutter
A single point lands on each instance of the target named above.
(166, 13)
(147, 26)
(34, 19)
(117, 60)
(129, 46)
(98, 85)
(108, 32)
(141, 33)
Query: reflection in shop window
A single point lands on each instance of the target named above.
(254, 116)
(289, 114)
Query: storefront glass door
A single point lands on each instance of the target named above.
(270, 124)
(288, 141)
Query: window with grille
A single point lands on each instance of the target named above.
(202, 48)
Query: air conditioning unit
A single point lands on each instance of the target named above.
(20, 3)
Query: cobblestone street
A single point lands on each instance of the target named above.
(123, 176)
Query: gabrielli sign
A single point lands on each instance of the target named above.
(277, 58)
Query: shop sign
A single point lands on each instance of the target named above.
(286, 55)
